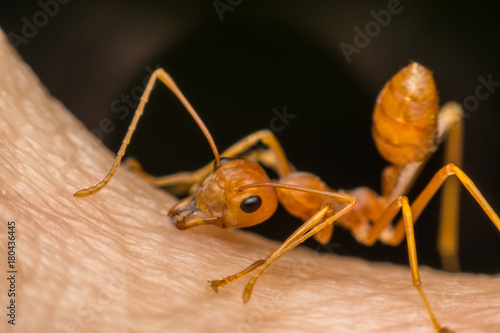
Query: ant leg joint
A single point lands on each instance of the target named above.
(450, 168)
(403, 200)
(331, 207)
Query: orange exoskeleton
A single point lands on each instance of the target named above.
(235, 191)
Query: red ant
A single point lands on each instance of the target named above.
(234, 192)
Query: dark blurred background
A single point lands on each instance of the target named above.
(236, 61)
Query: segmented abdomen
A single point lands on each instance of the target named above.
(404, 119)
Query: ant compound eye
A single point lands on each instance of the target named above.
(251, 204)
(223, 161)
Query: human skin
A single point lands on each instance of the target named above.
(113, 262)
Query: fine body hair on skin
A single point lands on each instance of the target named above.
(113, 262)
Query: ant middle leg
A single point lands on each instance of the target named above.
(396, 236)
(404, 227)
(272, 156)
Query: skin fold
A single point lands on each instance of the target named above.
(113, 262)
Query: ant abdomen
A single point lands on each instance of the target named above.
(404, 120)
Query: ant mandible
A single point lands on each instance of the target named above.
(236, 192)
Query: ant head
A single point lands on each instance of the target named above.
(220, 201)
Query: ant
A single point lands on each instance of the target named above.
(235, 192)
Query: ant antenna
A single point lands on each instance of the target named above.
(169, 82)
(342, 197)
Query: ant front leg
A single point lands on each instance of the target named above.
(317, 222)
(323, 218)
(285, 247)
